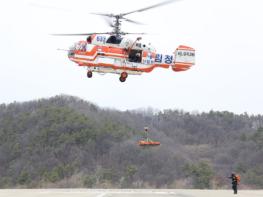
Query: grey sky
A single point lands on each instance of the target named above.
(227, 36)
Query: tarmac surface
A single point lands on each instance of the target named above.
(125, 193)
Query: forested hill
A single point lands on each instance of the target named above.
(65, 141)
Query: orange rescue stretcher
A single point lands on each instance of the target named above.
(148, 143)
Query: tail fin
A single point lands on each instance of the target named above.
(184, 58)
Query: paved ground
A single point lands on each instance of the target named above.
(125, 193)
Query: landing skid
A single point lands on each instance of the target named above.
(123, 75)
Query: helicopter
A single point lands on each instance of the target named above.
(113, 52)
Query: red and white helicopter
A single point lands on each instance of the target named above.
(112, 52)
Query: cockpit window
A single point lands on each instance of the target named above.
(80, 46)
(114, 40)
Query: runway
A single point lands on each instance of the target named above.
(125, 193)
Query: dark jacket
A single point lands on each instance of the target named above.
(234, 179)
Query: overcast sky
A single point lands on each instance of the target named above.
(227, 36)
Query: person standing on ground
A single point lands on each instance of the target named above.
(234, 178)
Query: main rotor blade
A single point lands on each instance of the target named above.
(81, 34)
(108, 21)
(124, 33)
(102, 14)
(150, 7)
(132, 21)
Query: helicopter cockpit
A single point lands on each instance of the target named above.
(78, 46)
(81, 46)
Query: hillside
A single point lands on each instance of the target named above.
(65, 141)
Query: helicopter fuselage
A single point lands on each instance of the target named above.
(106, 54)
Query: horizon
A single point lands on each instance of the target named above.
(148, 109)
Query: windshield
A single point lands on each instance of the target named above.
(79, 46)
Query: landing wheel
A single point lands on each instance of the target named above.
(124, 75)
(89, 74)
(122, 79)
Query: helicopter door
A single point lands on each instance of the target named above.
(135, 56)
